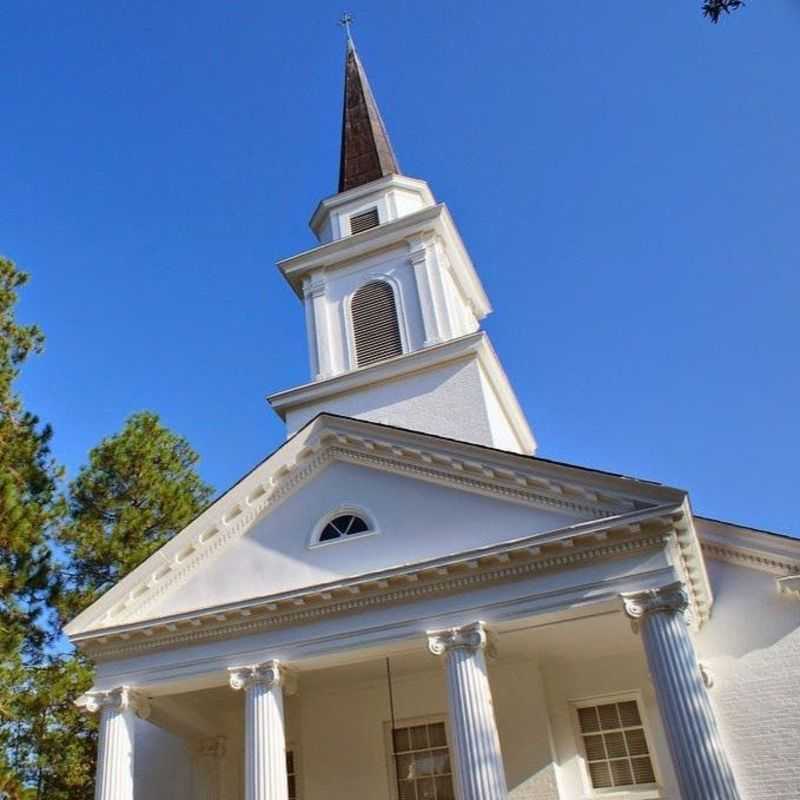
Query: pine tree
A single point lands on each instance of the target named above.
(27, 480)
(51, 741)
(138, 490)
(714, 9)
(28, 507)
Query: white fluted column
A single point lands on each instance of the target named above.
(698, 757)
(115, 749)
(480, 774)
(264, 737)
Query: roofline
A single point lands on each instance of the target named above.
(217, 497)
(748, 528)
(512, 453)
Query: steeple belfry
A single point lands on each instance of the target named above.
(366, 150)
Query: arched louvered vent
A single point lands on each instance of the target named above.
(375, 327)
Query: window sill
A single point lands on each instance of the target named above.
(342, 539)
(644, 793)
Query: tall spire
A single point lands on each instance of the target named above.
(366, 150)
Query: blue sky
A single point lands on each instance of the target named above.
(625, 176)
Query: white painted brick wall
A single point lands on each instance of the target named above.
(752, 648)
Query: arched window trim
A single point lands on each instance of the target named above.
(358, 511)
(399, 307)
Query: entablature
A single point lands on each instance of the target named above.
(775, 554)
(575, 546)
(434, 219)
(393, 196)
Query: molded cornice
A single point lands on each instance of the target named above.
(326, 206)
(616, 537)
(472, 345)
(466, 467)
(774, 554)
(435, 219)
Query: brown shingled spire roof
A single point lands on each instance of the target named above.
(366, 150)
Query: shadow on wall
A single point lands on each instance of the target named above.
(749, 613)
(521, 713)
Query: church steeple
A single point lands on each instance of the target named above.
(366, 150)
(393, 302)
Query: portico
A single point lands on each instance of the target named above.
(507, 718)
(502, 645)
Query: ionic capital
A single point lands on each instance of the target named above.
(123, 698)
(670, 599)
(469, 637)
(418, 247)
(314, 285)
(270, 674)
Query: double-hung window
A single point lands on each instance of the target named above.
(422, 762)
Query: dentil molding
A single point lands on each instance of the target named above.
(237, 513)
(472, 571)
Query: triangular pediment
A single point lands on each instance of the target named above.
(425, 498)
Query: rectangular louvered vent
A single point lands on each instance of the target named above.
(364, 221)
(377, 333)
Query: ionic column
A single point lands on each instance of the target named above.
(700, 762)
(264, 738)
(115, 750)
(479, 770)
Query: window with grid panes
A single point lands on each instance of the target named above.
(344, 525)
(422, 762)
(291, 775)
(615, 745)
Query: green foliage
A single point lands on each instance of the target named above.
(49, 742)
(28, 508)
(714, 9)
(28, 477)
(139, 489)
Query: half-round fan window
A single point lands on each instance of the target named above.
(343, 525)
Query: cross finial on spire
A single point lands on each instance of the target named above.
(346, 21)
(367, 154)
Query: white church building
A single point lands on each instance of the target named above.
(404, 602)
